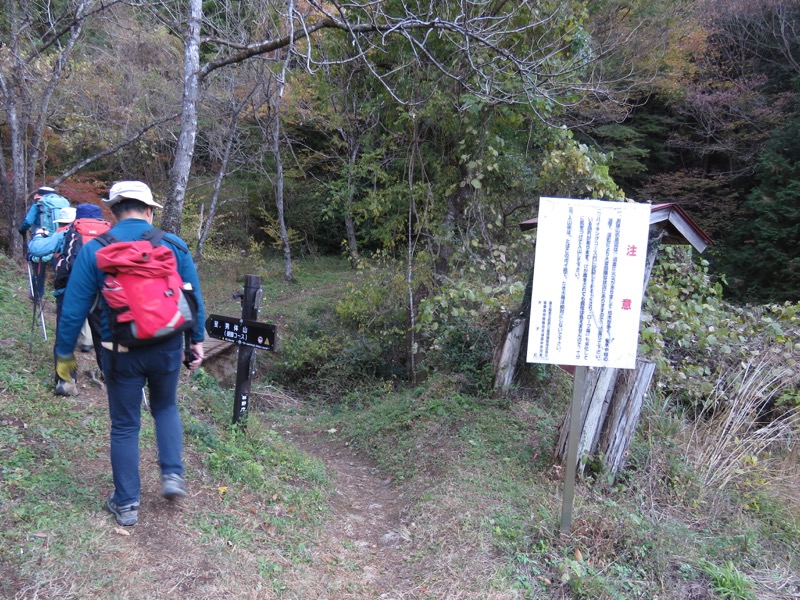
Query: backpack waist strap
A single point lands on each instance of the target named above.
(114, 347)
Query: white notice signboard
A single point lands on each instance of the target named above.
(587, 282)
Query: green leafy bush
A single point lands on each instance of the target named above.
(374, 312)
(466, 348)
(695, 336)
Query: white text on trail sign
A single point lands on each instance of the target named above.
(587, 282)
(241, 331)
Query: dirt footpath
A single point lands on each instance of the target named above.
(367, 539)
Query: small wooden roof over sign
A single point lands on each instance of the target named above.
(679, 227)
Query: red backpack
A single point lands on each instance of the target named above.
(147, 299)
(79, 232)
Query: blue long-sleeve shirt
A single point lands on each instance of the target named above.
(44, 247)
(86, 281)
(31, 218)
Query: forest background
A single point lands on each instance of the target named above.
(398, 127)
(413, 139)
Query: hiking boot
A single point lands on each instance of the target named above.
(173, 486)
(127, 516)
(66, 388)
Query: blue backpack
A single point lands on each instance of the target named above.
(49, 205)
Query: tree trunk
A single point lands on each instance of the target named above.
(352, 246)
(16, 206)
(508, 358)
(610, 409)
(276, 151)
(184, 152)
(505, 366)
(597, 394)
(411, 327)
(416, 351)
(349, 222)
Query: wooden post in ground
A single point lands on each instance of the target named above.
(251, 298)
(626, 407)
(610, 408)
(507, 357)
(568, 497)
(597, 392)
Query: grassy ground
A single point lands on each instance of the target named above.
(371, 491)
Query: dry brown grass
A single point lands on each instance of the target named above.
(730, 441)
(271, 398)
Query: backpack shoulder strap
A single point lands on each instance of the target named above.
(106, 238)
(154, 236)
(177, 242)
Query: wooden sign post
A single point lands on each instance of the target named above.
(249, 334)
(568, 497)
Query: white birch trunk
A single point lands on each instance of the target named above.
(184, 151)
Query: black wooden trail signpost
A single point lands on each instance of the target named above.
(249, 334)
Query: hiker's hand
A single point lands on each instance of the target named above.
(197, 352)
(41, 232)
(66, 367)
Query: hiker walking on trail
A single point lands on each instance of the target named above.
(46, 245)
(41, 215)
(133, 357)
(83, 223)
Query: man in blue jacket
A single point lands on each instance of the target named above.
(127, 370)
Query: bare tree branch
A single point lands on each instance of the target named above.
(112, 149)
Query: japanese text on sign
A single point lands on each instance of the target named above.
(587, 282)
(241, 331)
(234, 331)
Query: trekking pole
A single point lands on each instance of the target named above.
(33, 296)
(37, 306)
(41, 319)
(41, 276)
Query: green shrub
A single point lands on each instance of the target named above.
(466, 349)
(695, 336)
(728, 581)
